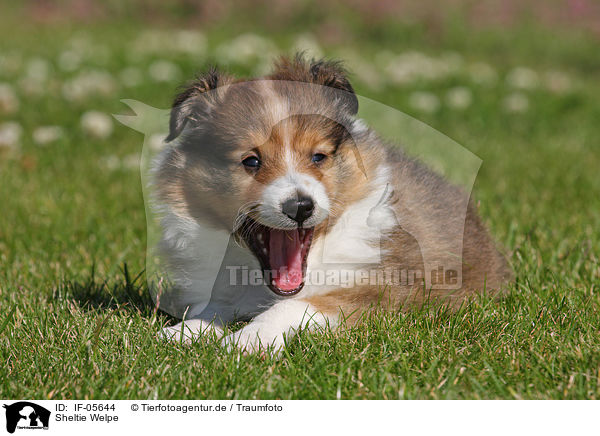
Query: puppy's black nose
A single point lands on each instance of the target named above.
(299, 209)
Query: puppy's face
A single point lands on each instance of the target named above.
(265, 158)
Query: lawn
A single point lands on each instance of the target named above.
(76, 320)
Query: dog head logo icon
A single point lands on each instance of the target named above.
(27, 415)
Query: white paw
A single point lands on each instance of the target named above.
(189, 331)
(255, 338)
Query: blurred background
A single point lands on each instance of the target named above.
(516, 82)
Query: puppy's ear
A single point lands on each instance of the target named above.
(197, 101)
(333, 74)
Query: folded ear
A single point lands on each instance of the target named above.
(197, 101)
(323, 72)
(333, 74)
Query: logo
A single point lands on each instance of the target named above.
(26, 415)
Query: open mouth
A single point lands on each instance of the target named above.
(282, 254)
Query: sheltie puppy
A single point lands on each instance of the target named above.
(282, 208)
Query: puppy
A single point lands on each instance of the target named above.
(280, 207)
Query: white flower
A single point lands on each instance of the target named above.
(149, 41)
(522, 78)
(459, 97)
(408, 67)
(159, 42)
(69, 60)
(163, 71)
(245, 49)
(412, 66)
(516, 102)
(38, 69)
(46, 134)
(131, 76)
(482, 73)
(558, 81)
(97, 124)
(131, 161)
(87, 83)
(424, 101)
(190, 42)
(9, 102)
(10, 134)
(156, 142)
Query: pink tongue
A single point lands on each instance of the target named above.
(285, 257)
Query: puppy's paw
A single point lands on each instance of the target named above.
(255, 338)
(189, 331)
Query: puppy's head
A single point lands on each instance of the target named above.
(267, 158)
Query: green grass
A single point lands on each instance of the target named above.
(75, 317)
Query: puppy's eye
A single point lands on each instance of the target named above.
(318, 157)
(251, 162)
